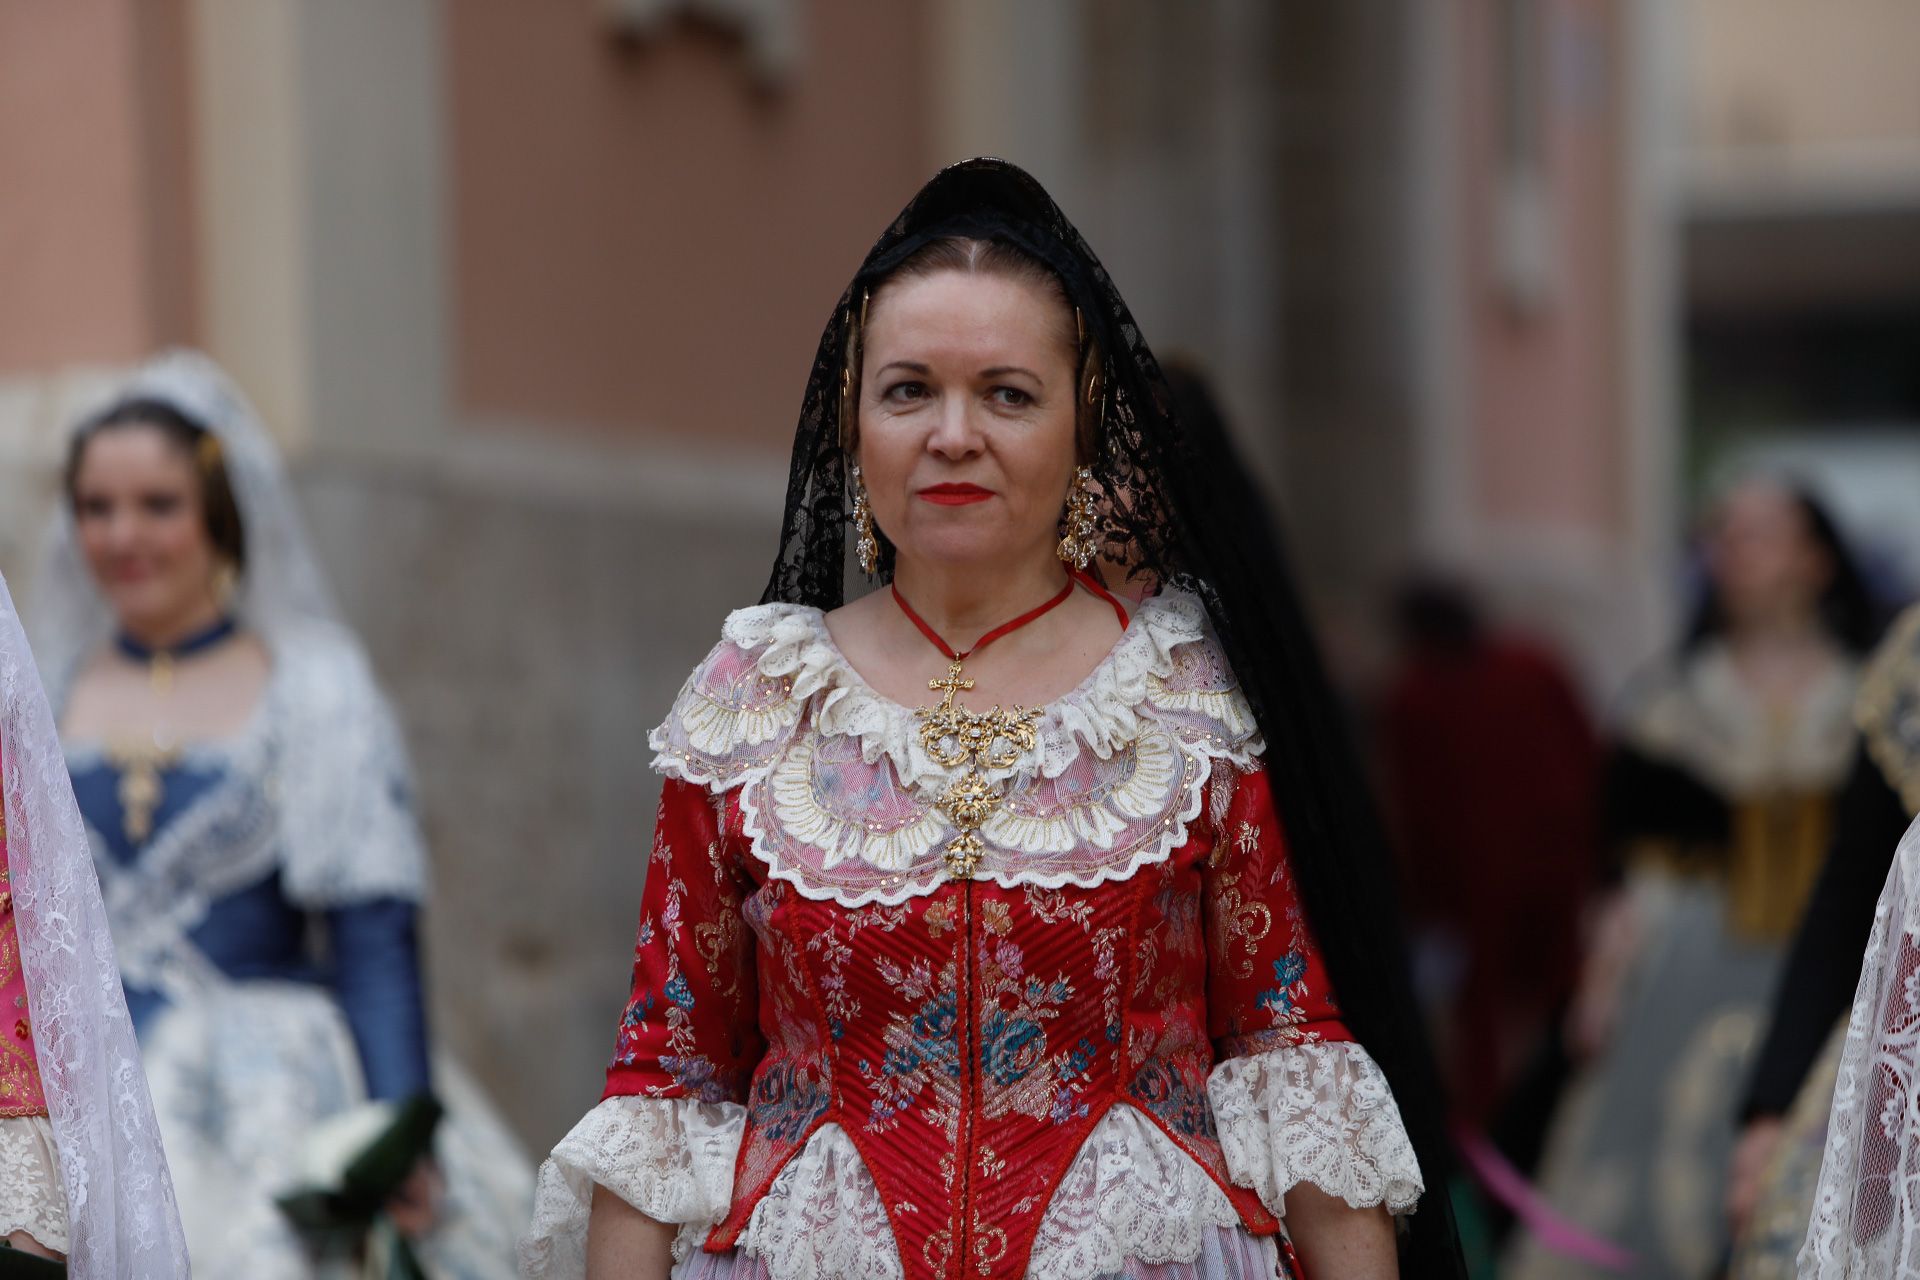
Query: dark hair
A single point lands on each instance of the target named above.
(979, 257)
(1436, 614)
(1847, 609)
(219, 510)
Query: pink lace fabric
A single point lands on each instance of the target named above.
(838, 793)
(122, 1221)
(1866, 1211)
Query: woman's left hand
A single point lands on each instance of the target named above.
(1335, 1239)
(415, 1207)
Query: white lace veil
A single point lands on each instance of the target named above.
(1866, 1212)
(120, 1208)
(282, 586)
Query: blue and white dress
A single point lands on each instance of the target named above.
(265, 903)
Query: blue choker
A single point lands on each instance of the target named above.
(198, 642)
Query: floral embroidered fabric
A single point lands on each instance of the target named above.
(999, 1076)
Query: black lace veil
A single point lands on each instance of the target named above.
(1162, 514)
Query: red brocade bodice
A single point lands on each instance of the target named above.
(802, 950)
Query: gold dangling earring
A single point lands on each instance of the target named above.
(866, 547)
(226, 580)
(1079, 543)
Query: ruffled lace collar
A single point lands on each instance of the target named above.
(837, 791)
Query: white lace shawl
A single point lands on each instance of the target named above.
(348, 830)
(317, 785)
(1118, 770)
(1866, 1210)
(122, 1220)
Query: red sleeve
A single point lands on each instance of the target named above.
(1267, 986)
(691, 1028)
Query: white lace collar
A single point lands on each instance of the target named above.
(837, 791)
(1702, 715)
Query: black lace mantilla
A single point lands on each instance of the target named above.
(1175, 506)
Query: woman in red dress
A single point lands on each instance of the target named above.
(993, 927)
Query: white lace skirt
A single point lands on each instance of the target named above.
(31, 1199)
(1132, 1204)
(241, 1074)
(1226, 1253)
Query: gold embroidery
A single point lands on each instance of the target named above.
(940, 917)
(715, 941)
(1242, 921)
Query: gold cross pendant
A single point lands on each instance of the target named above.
(952, 685)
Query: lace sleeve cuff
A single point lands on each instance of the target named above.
(31, 1198)
(1318, 1113)
(670, 1158)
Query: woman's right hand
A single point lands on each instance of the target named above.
(1611, 951)
(624, 1243)
(1747, 1172)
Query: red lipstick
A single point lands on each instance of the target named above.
(955, 495)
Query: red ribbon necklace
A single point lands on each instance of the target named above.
(1005, 628)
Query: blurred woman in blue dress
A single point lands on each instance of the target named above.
(247, 794)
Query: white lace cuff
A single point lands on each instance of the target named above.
(1318, 1113)
(31, 1198)
(670, 1158)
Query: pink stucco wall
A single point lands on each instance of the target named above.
(646, 239)
(1547, 402)
(95, 236)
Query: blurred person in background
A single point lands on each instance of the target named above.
(1490, 768)
(82, 1177)
(1777, 1163)
(247, 793)
(1492, 773)
(1105, 988)
(1717, 804)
